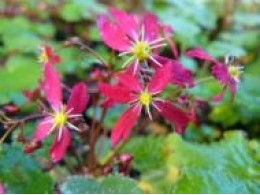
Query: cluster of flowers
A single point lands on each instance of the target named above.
(145, 75)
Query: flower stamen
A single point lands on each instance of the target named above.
(142, 50)
(43, 57)
(145, 98)
(235, 72)
(60, 117)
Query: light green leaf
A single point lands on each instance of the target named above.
(80, 185)
(113, 184)
(118, 184)
(222, 167)
(19, 73)
(147, 152)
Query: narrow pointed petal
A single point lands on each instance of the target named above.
(43, 129)
(59, 146)
(181, 76)
(52, 86)
(112, 35)
(125, 124)
(174, 114)
(200, 54)
(117, 93)
(129, 81)
(160, 79)
(151, 27)
(78, 99)
(125, 21)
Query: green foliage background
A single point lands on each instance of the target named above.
(219, 156)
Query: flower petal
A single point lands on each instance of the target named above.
(181, 76)
(129, 81)
(59, 146)
(117, 93)
(78, 99)
(52, 57)
(220, 72)
(108, 103)
(174, 114)
(52, 86)
(43, 129)
(200, 54)
(160, 79)
(125, 124)
(112, 35)
(126, 22)
(151, 27)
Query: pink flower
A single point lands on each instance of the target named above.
(137, 38)
(47, 55)
(132, 92)
(226, 73)
(59, 119)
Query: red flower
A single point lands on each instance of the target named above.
(130, 91)
(226, 73)
(138, 38)
(47, 55)
(58, 120)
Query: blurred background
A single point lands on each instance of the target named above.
(221, 27)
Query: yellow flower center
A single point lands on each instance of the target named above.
(234, 71)
(145, 98)
(60, 118)
(43, 57)
(142, 50)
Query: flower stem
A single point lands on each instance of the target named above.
(95, 130)
(76, 41)
(8, 131)
(203, 80)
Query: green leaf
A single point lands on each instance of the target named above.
(76, 10)
(226, 114)
(20, 34)
(80, 185)
(147, 152)
(221, 48)
(248, 19)
(227, 166)
(21, 174)
(113, 184)
(26, 73)
(118, 184)
(248, 39)
(222, 167)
